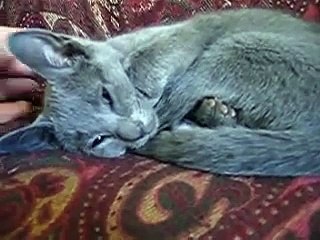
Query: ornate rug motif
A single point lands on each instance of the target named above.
(60, 196)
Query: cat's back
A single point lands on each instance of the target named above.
(265, 30)
(254, 20)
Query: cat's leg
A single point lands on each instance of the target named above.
(211, 112)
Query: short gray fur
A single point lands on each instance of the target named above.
(264, 63)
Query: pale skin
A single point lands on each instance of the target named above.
(13, 87)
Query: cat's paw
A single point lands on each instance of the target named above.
(214, 105)
(212, 112)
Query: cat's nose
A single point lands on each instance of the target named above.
(134, 130)
(129, 131)
(147, 127)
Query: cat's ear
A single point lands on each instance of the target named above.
(35, 137)
(44, 51)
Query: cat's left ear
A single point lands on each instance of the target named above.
(35, 137)
(47, 52)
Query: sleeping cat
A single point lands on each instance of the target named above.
(131, 92)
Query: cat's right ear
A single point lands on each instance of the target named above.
(38, 136)
(44, 51)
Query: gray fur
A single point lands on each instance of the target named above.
(262, 62)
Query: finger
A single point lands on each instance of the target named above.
(12, 111)
(12, 66)
(7, 60)
(17, 86)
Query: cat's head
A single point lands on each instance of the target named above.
(91, 105)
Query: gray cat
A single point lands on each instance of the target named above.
(131, 92)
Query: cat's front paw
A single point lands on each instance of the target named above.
(212, 112)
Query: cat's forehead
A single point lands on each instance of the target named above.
(105, 54)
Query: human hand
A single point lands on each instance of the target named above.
(18, 84)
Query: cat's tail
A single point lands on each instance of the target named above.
(240, 151)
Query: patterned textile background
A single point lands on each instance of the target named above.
(62, 196)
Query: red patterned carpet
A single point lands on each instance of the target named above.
(63, 196)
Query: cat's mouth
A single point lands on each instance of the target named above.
(132, 146)
(140, 142)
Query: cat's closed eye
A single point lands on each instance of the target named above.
(106, 95)
(143, 93)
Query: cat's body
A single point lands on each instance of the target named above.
(264, 63)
